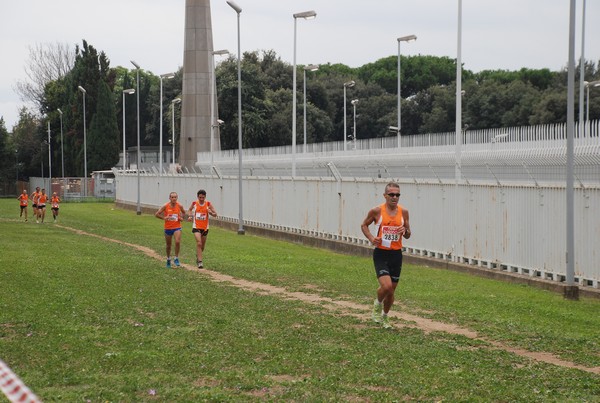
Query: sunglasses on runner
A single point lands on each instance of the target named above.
(394, 194)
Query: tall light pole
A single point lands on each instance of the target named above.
(306, 15)
(17, 168)
(354, 102)
(582, 72)
(62, 150)
(139, 151)
(160, 143)
(458, 126)
(238, 10)
(49, 160)
(128, 92)
(407, 38)
(83, 91)
(213, 109)
(348, 84)
(310, 67)
(570, 190)
(173, 102)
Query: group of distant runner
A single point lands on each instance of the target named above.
(39, 200)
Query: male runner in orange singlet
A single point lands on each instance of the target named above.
(172, 213)
(23, 202)
(34, 198)
(54, 202)
(391, 221)
(198, 214)
(41, 204)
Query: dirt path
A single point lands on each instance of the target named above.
(353, 309)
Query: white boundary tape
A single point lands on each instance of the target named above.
(14, 389)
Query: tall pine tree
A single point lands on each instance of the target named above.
(103, 138)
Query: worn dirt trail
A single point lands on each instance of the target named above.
(353, 309)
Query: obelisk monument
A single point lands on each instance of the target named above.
(197, 91)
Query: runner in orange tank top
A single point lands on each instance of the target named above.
(392, 224)
(172, 214)
(23, 202)
(34, 198)
(54, 202)
(41, 205)
(198, 214)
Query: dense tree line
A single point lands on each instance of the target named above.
(493, 98)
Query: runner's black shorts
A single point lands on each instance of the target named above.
(388, 263)
(203, 232)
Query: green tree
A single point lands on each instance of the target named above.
(27, 140)
(103, 138)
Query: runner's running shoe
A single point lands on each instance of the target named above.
(376, 312)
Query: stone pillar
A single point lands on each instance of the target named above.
(198, 71)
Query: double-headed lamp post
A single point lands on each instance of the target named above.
(354, 102)
(310, 67)
(306, 15)
(592, 84)
(173, 102)
(348, 84)
(213, 110)
(128, 92)
(407, 38)
(62, 150)
(139, 151)
(238, 10)
(160, 144)
(83, 91)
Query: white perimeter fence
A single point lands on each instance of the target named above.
(503, 209)
(513, 228)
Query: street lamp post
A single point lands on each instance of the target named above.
(213, 114)
(84, 92)
(348, 84)
(62, 150)
(128, 92)
(173, 102)
(238, 10)
(17, 168)
(307, 15)
(139, 151)
(407, 38)
(310, 67)
(458, 123)
(354, 102)
(582, 72)
(160, 144)
(49, 160)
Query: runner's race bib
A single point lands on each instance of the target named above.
(201, 217)
(389, 234)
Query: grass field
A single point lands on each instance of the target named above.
(83, 318)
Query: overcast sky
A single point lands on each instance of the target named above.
(508, 34)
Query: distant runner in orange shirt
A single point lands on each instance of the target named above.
(34, 198)
(198, 214)
(23, 202)
(41, 204)
(172, 214)
(54, 202)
